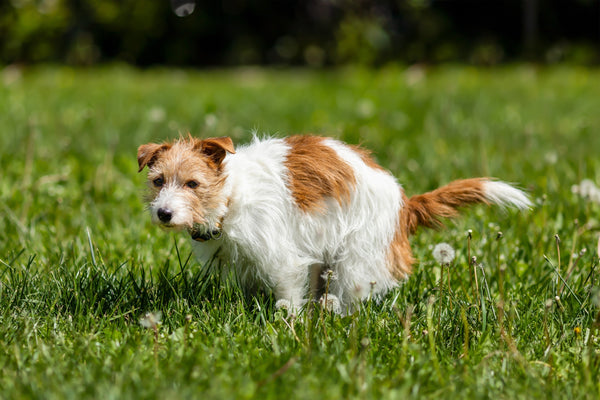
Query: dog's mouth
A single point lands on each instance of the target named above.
(201, 233)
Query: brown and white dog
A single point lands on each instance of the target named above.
(283, 210)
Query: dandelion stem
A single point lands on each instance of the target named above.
(477, 297)
(441, 291)
(557, 239)
(501, 303)
(574, 258)
(471, 271)
(155, 328)
(487, 289)
(443, 254)
(406, 325)
(430, 335)
(325, 303)
(463, 316)
(188, 319)
(547, 307)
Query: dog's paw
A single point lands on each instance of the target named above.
(331, 303)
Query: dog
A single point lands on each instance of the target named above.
(301, 214)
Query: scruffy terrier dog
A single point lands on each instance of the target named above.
(283, 211)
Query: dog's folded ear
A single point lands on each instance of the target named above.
(147, 154)
(216, 148)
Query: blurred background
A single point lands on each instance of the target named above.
(299, 32)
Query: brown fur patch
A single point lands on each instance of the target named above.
(316, 172)
(147, 154)
(427, 209)
(367, 157)
(400, 258)
(216, 148)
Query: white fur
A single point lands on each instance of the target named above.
(172, 198)
(505, 195)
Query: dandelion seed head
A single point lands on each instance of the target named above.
(575, 189)
(443, 253)
(588, 190)
(156, 114)
(329, 275)
(283, 304)
(551, 157)
(210, 120)
(151, 320)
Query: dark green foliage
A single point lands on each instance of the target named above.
(298, 32)
(80, 263)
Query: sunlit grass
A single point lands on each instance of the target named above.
(516, 315)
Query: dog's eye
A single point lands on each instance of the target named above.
(192, 184)
(158, 182)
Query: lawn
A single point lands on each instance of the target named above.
(81, 264)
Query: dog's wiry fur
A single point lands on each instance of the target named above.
(288, 208)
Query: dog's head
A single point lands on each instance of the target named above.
(186, 182)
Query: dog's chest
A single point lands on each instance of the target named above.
(206, 251)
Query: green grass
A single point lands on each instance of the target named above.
(80, 263)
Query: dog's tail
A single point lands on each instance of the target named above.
(428, 209)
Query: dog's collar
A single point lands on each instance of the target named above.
(215, 234)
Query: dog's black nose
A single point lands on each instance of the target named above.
(164, 214)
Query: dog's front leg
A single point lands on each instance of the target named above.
(291, 289)
(291, 299)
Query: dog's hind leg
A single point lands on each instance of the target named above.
(317, 283)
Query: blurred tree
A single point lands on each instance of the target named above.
(298, 32)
